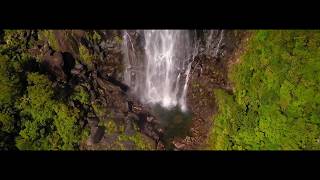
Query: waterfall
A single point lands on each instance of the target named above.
(161, 74)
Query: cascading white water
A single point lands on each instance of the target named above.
(161, 77)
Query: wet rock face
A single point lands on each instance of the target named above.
(68, 41)
(209, 71)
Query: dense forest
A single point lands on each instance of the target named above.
(275, 103)
(45, 104)
(32, 117)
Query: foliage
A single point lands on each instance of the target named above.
(80, 94)
(110, 126)
(276, 101)
(140, 142)
(49, 36)
(9, 82)
(118, 39)
(46, 123)
(85, 56)
(10, 89)
(66, 124)
(31, 118)
(94, 36)
(13, 57)
(99, 109)
(15, 48)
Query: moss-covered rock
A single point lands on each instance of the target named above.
(85, 56)
(49, 36)
(80, 94)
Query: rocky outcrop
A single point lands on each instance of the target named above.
(209, 71)
(109, 114)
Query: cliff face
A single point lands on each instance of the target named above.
(91, 62)
(217, 49)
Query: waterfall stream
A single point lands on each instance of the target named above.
(161, 75)
(158, 67)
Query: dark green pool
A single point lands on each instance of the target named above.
(174, 122)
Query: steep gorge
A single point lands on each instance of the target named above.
(137, 89)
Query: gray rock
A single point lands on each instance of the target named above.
(78, 66)
(109, 44)
(75, 71)
(103, 45)
(129, 130)
(133, 117)
(96, 134)
(93, 122)
(118, 115)
(101, 56)
(178, 145)
(96, 48)
(150, 119)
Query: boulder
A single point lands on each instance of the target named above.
(133, 117)
(129, 129)
(96, 134)
(93, 122)
(54, 64)
(178, 145)
(78, 66)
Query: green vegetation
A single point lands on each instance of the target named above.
(85, 56)
(30, 116)
(140, 142)
(99, 109)
(80, 94)
(13, 57)
(111, 127)
(46, 123)
(48, 35)
(118, 39)
(276, 100)
(94, 36)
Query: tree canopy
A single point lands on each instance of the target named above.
(276, 99)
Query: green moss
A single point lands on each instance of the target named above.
(118, 39)
(48, 35)
(99, 109)
(80, 94)
(121, 129)
(110, 126)
(85, 134)
(96, 37)
(14, 38)
(219, 136)
(85, 56)
(93, 36)
(139, 141)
